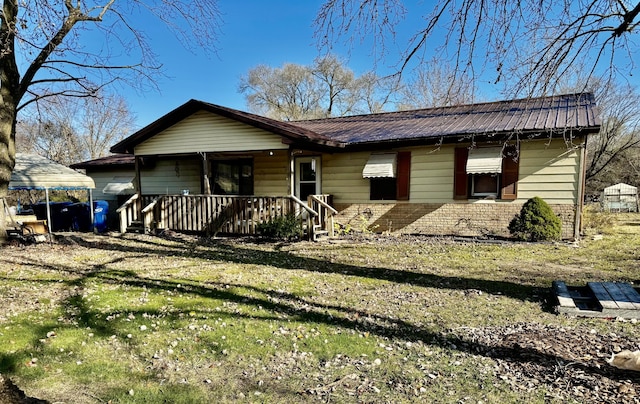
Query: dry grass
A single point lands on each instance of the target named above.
(146, 319)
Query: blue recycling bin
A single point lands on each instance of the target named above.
(100, 213)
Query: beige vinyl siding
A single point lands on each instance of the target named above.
(342, 177)
(549, 171)
(431, 175)
(102, 178)
(208, 132)
(271, 174)
(171, 176)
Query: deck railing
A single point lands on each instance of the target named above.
(213, 214)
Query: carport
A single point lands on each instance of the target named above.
(33, 172)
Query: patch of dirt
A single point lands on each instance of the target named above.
(11, 394)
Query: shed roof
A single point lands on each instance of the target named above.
(620, 188)
(36, 172)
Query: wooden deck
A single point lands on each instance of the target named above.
(598, 299)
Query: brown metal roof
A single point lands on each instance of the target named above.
(555, 114)
(116, 160)
(552, 115)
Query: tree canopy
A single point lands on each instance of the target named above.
(528, 44)
(325, 88)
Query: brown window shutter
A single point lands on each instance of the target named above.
(403, 172)
(460, 177)
(510, 166)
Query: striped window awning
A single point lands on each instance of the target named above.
(381, 165)
(485, 160)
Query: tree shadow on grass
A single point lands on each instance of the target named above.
(288, 305)
(221, 250)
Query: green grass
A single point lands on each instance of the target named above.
(143, 319)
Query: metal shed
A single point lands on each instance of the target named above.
(620, 198)
(36, 172)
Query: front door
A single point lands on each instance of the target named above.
(307, 177)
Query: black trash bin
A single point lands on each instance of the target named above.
(60, 217)
(80, 216)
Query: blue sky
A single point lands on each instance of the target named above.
(253, 32)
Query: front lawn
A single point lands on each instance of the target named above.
(91, 319)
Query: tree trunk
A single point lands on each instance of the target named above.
(7, 157)
(10, 94)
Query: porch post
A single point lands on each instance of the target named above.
(93, 219)
(138, 186)
(582, 167)
(49, 224)
(206, 185)
(292, 183)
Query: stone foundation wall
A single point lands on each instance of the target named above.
(460, 219)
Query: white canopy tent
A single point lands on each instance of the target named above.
(36, 172)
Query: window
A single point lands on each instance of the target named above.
(486, 172)
(388, 174)
(233, 177)
(307, 177)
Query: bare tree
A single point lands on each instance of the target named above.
(435, 84)
(499, 37)
(286, 93)
(611, 150)
(54, 139)
(102, 122)
(70, 130)
(42, 52)
(375, 94)
(326, 88)
(620, 130)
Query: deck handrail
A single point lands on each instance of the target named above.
(233, 214)
(324, 204)
(304, 205)
(151, 204)
(148, 214)
(128, 202)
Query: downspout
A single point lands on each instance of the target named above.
(580, 192)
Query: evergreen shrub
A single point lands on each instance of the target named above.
(536, 222)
